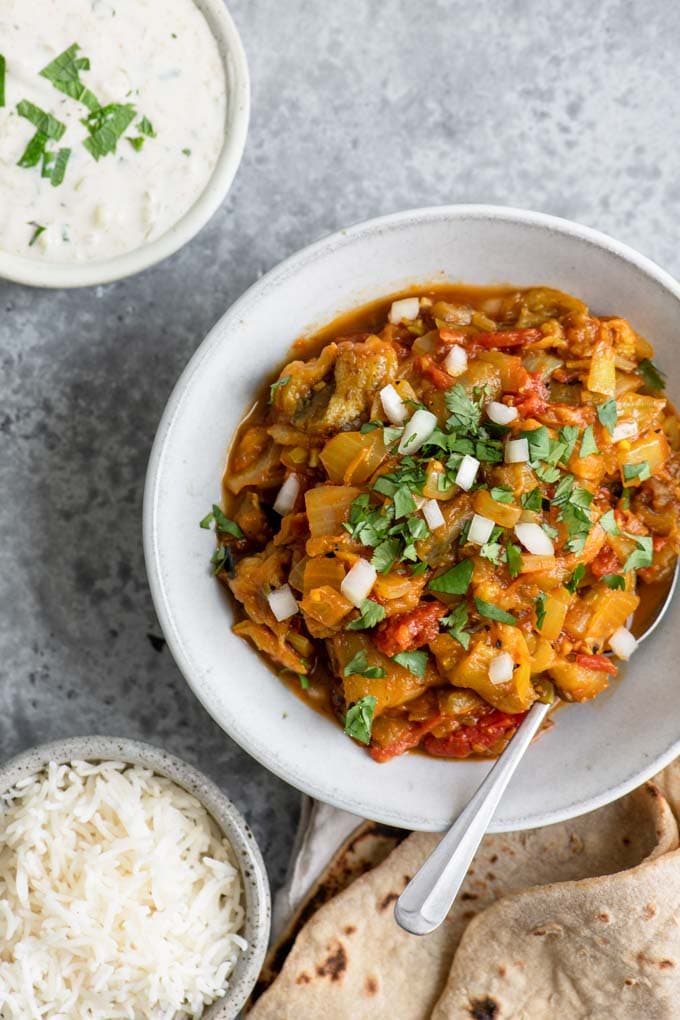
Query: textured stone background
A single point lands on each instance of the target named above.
(359, 108)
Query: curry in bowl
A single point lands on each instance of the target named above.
(445, 500)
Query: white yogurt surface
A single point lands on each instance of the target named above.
(159, 55)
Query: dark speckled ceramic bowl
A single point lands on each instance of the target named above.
(229, 820)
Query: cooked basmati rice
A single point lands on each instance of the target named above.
(119, 898)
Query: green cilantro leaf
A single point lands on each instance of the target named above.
(514, 555)
(564, 491)
(547, 473)
(222, 559)
(576, 578)
(359, 719)
(569, 436)
(359, 664)
(539, 606)
(532, 500)
(455, 581)
(608, 523)
(304, 681)
(275, 386)
(455, 623)
(464, 413)
(608, 415)
(223, 524)
(502, 494)
(39, 229)
(588, 443)
(44, 122)
(492, 612)
(641, 471)
(614, 581)
(106, 126)
(64, 73)
(371, 614)
(654, 378)
(403, 502)
(539, 443)
(146, 127)
(385, 555)
(642, 555)
(414, 662)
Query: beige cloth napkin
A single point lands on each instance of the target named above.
(322, 829)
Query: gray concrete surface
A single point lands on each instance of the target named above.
(359, 108)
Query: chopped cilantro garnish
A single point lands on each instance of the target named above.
(39, 229)
(275, 386)
(588, 443)
(641, 471)
(414, 662)
(608, 523)
(304, 681)
(371, 614)
(532, 500)
(642, 555)
(455, 623)
(106, 126)
(222, 559)
(614, 581)
(539, 443)
(492, 612)
(502, 494)
(608, 415)
(653, 377)
(186, 152)
(569, 436)
(514, 555)
(455, 581)
(403, 502)
(539, 606)
(386, 555)
(547, 473)
(223, 524)
(576, 578)
(465, 414)
(34, 151)
(64, 73)
(44, 122)
(146, 127)
(359, 664)
(563, 491)
(359, 719)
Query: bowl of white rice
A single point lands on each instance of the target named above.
(130, 887)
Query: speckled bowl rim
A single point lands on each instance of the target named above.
(224, 813)
(36, 273)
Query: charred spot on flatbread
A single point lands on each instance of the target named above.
(303, 978)
(370, 986)
(387, 901)
(484, 1009)
(335, 964)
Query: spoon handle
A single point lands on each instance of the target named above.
(427, 898)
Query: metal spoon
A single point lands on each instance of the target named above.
(428, 897)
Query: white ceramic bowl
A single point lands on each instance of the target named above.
(39, 273)
(229, 820)
(597, 751)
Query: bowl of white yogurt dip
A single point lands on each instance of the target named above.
(122, 125)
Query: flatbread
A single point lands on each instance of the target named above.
(591, 950)
(367, 847)
(351, 961)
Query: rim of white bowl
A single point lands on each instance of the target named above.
(66, 275)
(224, 813)
(188, 666)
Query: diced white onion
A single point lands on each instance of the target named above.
(501, 414)
(393, 406)
(406, 308)
(432, 514)
(467, 472)
(534, 539)
(622, 643)
(517, 451)
(501, 668)
(288, 493)
(358, 582)
(480, 530)
(419, 501)
(417, 431)
(282, 603)
(624, 430)
(456, 361)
